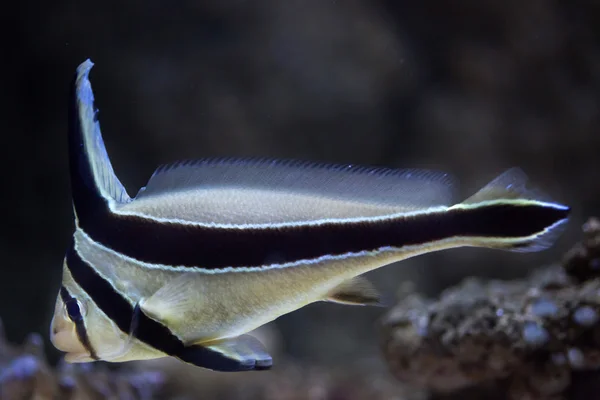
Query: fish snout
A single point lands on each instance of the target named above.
(63, 336)
(63, 333)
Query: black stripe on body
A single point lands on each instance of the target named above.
(132, 320)
(209, 247)
(79, 325)
(118, 309)
(214, 247)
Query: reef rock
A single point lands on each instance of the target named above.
(25, 375)
(526, 339)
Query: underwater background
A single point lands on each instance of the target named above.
(468, 87)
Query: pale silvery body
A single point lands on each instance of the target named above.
(212, 249)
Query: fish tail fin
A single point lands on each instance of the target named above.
(92, 177)
(512, 216)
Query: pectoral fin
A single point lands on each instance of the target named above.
(171, 301)
(243, 353)
(356, 291)
(127, 344)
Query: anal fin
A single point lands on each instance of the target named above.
(243, 353)
(356, 291)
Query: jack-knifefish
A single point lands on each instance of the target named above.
(212, 249)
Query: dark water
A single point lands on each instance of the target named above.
(472, 88)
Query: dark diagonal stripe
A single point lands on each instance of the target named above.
(118, 308)
(175, 244)
(145, 329)
(79, 325)
(212, 247)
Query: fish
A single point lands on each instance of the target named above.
(211, 249)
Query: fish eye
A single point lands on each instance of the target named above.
(73, 310)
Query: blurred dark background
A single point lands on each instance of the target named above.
(471, 87)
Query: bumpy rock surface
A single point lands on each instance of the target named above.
(25, 374)
(361, 380)
(532, 335)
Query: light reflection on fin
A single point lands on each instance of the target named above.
(356, 291)
(511, 184)
(170, 303)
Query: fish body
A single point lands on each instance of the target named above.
(212, 249)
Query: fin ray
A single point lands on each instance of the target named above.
(511, 184)
(172, 300)
(356, 291)
(395, 187)
(541, 241)
(89, 160)
(259, 191)
(242, 353)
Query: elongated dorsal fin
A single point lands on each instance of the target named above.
(92, 175)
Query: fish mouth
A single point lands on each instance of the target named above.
(75, 352)
(66, 340)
